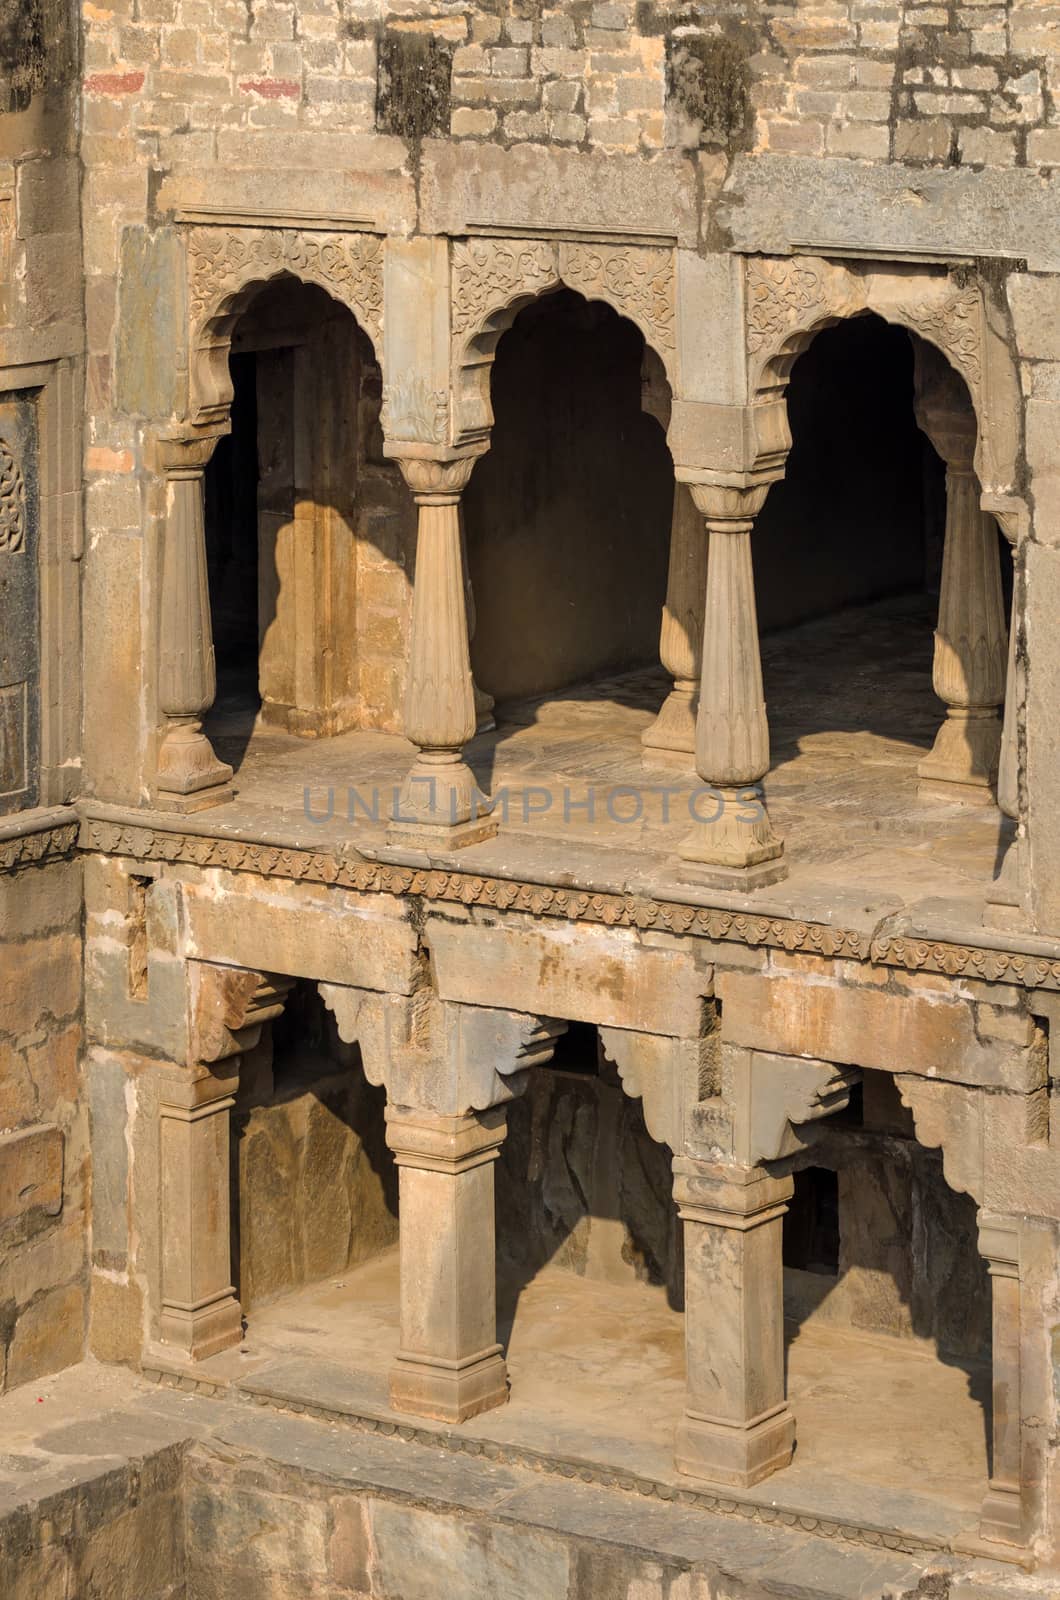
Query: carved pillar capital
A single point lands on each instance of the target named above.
(433, 1143)
(435, 480)
(729, 1196)
(731, 507)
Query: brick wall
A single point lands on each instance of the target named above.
(966, 82)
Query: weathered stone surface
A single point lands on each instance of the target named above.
(31, 1173)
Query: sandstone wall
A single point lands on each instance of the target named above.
(44, 1165)
(315, 1187)
(44, 1161)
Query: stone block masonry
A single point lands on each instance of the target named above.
(956, 84)
(44, 1166)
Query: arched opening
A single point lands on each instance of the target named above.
(859, 514)
(849, 576)
(308, 528)
(568, 515)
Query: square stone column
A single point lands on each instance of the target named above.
(737, 1426)
(1003, 1511)
(200, 1313)
(450, 1365)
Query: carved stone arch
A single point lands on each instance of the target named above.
(228, 266)
(790, 300)
(492, 280)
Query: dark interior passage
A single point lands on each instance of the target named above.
(232, 538)
(568, 515)
(861, 509)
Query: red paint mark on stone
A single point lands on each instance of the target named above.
(272, 88)
(114, 83)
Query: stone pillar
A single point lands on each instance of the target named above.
(737, 1427)
(1005, 894)
(484, 703)
(200, 1313)
(733, 845)
(189, 776)
(671, 739)
(970, 642)
(438, 800)
(450, 1365)
(1002, 1516)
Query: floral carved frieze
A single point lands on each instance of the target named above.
(792, 296)
(782, 297)
(542, 900)
(12, 502)
(954, 324)
(224, 260)
(488, 275)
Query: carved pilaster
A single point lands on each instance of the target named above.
(734, 844)
(1003, 1511)
(200, 1314)
(671, 739)
(440, 802)
(188, 776)
(970, 641)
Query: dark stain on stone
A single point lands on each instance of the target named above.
(414, 86)
(708, 76)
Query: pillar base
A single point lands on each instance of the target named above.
(190, 777)
(449, 1391)
(1002, 1516)
(731, 1454)
(733, 845)
(204, 1329)
(963, 762)
(439, 805)
(670, 741)
(422, 836)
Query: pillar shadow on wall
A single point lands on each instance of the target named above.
(581, 1184)
(567, 517)
(313, 1184)
(310, 531)
(876, 1241)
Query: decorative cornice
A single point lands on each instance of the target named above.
(53, 842)
(543, 900)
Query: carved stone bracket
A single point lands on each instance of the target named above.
(949, 1117)
(225, 262)
(776, 1096)
(229, 1008)
(664, 1074)
(437, 1056)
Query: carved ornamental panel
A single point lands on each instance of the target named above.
(224, 260)
(491, 275)
(789, 296)
(19, 604)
